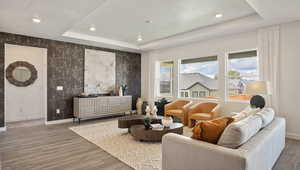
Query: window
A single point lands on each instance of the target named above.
(194, 94)
(181, 94)
(242, 68)
(202, 93)
(165, 78)
(199, 77)
(186, 94)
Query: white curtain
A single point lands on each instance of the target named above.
(268, 51)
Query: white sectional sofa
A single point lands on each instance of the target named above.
(259, 153)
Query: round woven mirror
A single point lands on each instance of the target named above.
(21, 73)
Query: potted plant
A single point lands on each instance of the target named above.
(124, 89)
(147, 123)
(161, 106)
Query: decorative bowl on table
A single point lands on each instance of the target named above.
(167, 121)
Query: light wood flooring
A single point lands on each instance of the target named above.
(55, 147)
(52, 147)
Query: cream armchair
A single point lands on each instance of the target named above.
(202, 111)
(178, 108)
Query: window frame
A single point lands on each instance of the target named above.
(226, 97)
(190, 96)
(170, 95)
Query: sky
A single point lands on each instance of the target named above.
(246, 66)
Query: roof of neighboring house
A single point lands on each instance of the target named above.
(187, 80)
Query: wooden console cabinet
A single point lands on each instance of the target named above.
(101, 106)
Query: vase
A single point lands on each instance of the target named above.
(120, 91)
(139, 104)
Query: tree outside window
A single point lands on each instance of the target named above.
(242, 69)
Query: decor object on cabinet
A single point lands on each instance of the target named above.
(21, 73)
(120, 91)
(124, 89)
(139, 104)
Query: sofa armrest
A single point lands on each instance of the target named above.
(181, 152)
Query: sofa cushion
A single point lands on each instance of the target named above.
(210, 131)
(201, 116)
(175, 112)
(267, 115)
(237, 133)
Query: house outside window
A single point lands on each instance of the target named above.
(202, 93)
(199, 75)
(195, 94)
(182, 94)
(165, 78)
(186, 94)
(242, 69)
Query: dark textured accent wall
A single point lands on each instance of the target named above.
(65, 67)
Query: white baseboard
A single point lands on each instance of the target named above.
(53, 122)
(293, 136)
(2, 129)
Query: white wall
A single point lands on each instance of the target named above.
(289, 77)
(25, 103)
(289, 68)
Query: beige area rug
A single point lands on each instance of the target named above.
(120, 144)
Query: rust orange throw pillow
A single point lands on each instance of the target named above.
(210, 131)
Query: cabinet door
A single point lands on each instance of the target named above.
(114, 105)
(87, 106)
(125, 104)
(101, 105)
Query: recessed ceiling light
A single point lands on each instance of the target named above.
(92, 28)
(36, 20)
(219, 15)
(140, 38)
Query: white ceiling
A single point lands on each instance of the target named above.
(119, 22)
(123, 20)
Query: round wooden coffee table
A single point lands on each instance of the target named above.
(128, 121)
(140, 133)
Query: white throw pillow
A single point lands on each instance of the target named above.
(238, 133)
(245, 113)
(267, 115)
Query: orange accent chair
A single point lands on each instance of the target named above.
(178, 108)
(202, 111)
